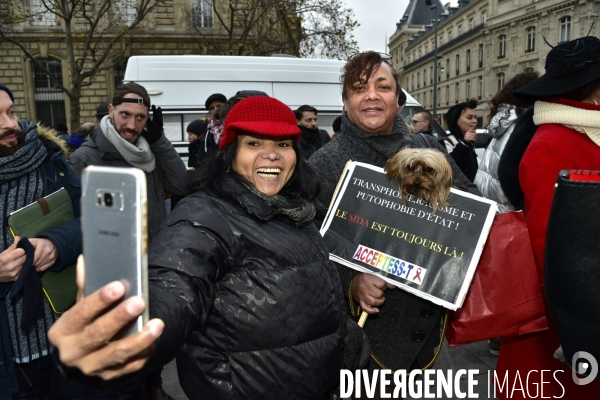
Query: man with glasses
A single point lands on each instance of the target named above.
(407, 329)
(422, 122)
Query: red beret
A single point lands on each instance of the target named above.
(260, 115)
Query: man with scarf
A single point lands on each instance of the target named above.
(312, 138)
(403, 329)
(127, 137)
(32, 165)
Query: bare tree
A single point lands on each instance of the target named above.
(307, 28)
(97, 34)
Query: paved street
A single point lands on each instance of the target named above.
(471, 356)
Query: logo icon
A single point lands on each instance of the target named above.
(583, 363)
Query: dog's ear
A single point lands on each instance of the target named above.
(393, 169)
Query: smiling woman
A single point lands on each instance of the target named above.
(239, 275)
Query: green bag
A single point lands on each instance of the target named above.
(40, 216)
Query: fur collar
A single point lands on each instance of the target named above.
(48, 134)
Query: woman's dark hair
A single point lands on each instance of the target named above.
(215, 166)
(222, 111)
(366, 64)
(505, 96)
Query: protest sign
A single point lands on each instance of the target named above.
(433, 255)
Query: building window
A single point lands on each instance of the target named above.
(431, 98)
(468, 60)
(530, 46)
(502, 46)
(439, 96)
(49, 100)
(457, 64)
(468, 89)
(528, 69)
(565, 29)
(431, 75)
(471, 24)
(460, 30)
(125, 11)
(424, 77)
(202, 13)
(447, 94)
(412, 82)
(418, 80)
(40, 15)
(449, 35)
(484, 18)
(447, 68)
(456, 92)
(480, 88)
(480, 55)
(500, 81)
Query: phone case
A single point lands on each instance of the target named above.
(114, 225)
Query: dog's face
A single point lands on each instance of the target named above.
(424, 173)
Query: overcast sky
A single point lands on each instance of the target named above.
(377, 20)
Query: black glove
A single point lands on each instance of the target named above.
(154, 127)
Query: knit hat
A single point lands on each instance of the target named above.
(261, 115)
(213, 97)
(102, 110)
(197, 127)
(61, 127)
(75, 141)
(128, 88)
(569, 66)
(7, 90)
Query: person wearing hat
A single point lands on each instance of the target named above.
(62, 131)
(213, 102)
(460, 142)
(241, 287)
(32, 164)
(101, 111)
(128, 137)
(196, 131)
(567, 115)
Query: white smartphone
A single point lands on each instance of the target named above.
(115, 232)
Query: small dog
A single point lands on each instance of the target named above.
(424, 173)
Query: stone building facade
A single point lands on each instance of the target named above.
(481, 45)
(173, 27)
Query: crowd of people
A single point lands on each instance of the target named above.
(241, 290)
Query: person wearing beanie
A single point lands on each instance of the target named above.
(196, 131)
(460, 142)
(62, 131)
(213, 102)
(240, 283)
(312, 138)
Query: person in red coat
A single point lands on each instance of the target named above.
(567, 113)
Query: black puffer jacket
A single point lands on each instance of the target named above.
(251, 298)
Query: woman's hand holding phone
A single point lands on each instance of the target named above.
(83, 333)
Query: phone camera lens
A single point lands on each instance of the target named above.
(108, 199)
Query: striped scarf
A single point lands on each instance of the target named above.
(20, 184)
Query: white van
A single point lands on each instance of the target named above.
(181, 84)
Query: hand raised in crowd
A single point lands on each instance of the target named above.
(154, 126)
(83, 333)
(369, 291)
(471, 135)
(45, 254)
(11, 262)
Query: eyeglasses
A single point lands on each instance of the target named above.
(384, 56)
